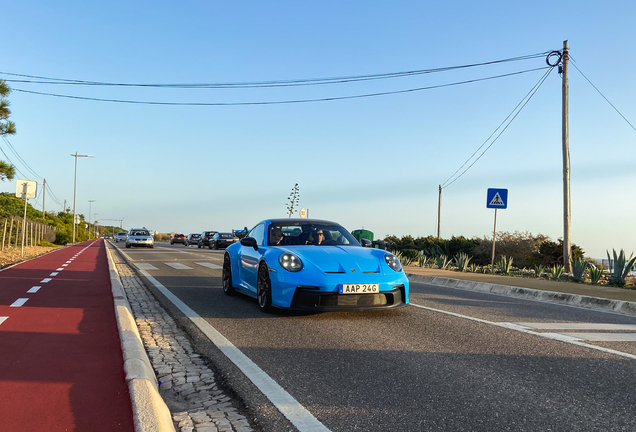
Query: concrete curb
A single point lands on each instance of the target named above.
(597, 303)
(150, 412)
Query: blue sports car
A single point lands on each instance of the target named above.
(310, 264)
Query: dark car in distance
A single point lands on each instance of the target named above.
(222, 240)
(178, 238)
(204, 239)
(192, 239)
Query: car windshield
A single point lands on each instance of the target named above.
(140, 233)
(195, 235)
(309, 233)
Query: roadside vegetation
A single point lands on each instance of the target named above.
(517, 254)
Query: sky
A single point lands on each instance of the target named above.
(373, 162)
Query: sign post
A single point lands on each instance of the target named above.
(25, 189)
(497, 199)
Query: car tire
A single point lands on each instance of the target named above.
(264, 289)
(226, 278)
(198, 245)
(215, 246)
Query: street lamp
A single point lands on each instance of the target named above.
(89, 217)
(95, 224)
(75, 188)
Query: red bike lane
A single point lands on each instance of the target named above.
(61, 364)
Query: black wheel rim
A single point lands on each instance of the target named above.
(263, 287)
(227, 273)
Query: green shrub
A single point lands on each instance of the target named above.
(504, 264)
(443, 262)
(596, 274)
(557, 271)
(462, 259)
(538, 270)
(622, 267)
(578, 268)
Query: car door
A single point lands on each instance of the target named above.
(249, 258)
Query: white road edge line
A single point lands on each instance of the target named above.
(19, 302)
(297, 414)
(551, 336)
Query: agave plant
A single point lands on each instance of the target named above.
(557, 271)
(596, 274)
(462, 259)
(538, 270)
(443, 262)
(578, 268)
(473, 268)
(422, 260)
(405, 260)
(432, 261)
(622, 267)
(504, 264)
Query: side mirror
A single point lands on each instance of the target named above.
(249, 242)
(365, 242)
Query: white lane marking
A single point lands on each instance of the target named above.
(297, 414)
(607, 337)
(576, 326)
(34, 289)
(45, 280)
(19, 302)
(68, 262)
(144, 266)
(3, 319)
(178, 266)
(552, 336)
(64, 265)
(209, 265)
(60, 269)
(54, 274)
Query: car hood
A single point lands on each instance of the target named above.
(340, 259)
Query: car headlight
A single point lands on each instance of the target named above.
(290, 262)
(393, 262)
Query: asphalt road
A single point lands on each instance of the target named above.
(444, 363)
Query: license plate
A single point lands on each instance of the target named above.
(358, 288)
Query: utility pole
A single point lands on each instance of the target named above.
(567, 247)
(439, 211)
(43, 198)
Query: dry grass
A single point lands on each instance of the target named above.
(14, 255)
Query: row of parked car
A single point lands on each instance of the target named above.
(211, 239)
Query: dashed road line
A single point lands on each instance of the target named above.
(513, 326)
(178, 266)
(46, 280)
(19, 302)
(144, 266)
(3, 319)
(54, 274)
(34, 289)
(209, 265)
(60, 269)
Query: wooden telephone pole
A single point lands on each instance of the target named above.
(567, 247)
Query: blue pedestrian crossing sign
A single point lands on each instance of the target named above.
(497, 198)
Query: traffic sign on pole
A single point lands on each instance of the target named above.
(497, 198)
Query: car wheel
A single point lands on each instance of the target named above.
(228, 289)
(264, 289)
(199, 245)
(216, 247)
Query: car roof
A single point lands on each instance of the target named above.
(298, 220)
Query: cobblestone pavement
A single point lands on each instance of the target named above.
(187, 385)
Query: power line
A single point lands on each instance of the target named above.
(599, 92)
(516, 112)
(6, 140)
(273, 83)
(281, 102)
